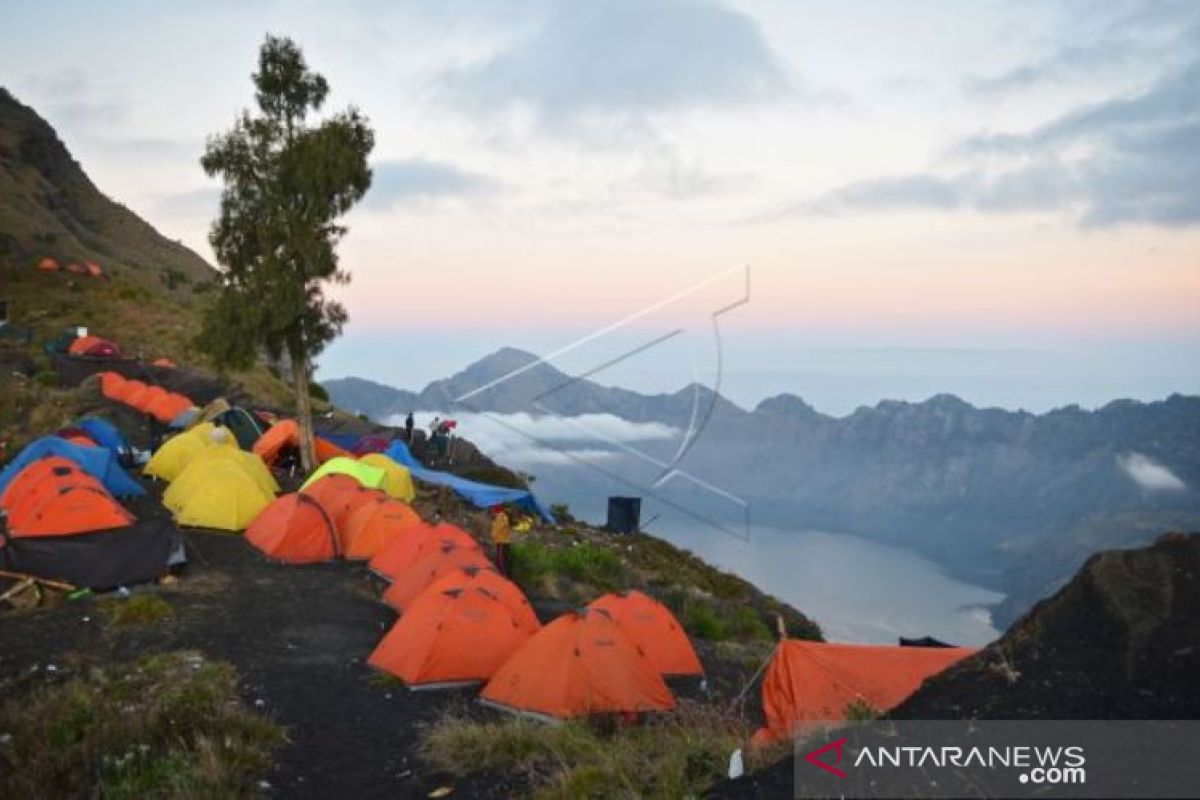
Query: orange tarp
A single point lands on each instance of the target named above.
(816, 681)
(294, 529)
(579, 664)
(450, 637)
(409, 584)
(403, 552)
(375, 524)
(651, 626)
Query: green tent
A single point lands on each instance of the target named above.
(370, 477)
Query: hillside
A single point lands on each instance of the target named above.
(1117, 642)
(1008, 499)
(152, 291)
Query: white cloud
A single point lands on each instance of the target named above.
(1149, 475)
(527, 441)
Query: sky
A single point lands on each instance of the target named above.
(995, 199)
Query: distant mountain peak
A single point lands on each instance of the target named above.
(786, 405)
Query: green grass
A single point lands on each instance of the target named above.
(722, 623)
(594, 565)
(673, 756)
(139, 609)
(167, 725)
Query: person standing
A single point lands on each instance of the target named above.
(408, 427)
(501, 534)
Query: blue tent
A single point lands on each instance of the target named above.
(104, 434)
(99, 462)
(481, 495)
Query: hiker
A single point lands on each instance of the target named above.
(501, 533)
(408, 428)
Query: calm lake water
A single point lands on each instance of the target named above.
(857, 589)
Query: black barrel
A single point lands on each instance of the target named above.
(624, 514)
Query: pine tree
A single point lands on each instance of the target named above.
(288, 180)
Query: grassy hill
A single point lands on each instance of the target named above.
(150, 298)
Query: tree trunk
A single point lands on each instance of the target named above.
(308, 449)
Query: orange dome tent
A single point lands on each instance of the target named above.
(651, 626)
(402, 553)
(26, 481)
(286, 433)
(93, 269)
(163, 362)
(450, 637)
(421, 575)
(59, 500)
(149, 398)
(488, 579)
(111, 384)
(83, 343)
(131, 392)
(48, 264)
(294, 529)
(169, 406)
(579, 664)
(343, 504)
(373, 525)
(816, 681)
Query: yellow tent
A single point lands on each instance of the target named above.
(227, 498)
(397, 481)
(178, 451)
(370, 477)
(197, 471)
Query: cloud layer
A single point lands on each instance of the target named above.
(1148, 474)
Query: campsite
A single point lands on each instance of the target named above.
(556, 401)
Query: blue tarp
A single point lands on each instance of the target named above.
(482, 495)
(104, 434)
(99, 462)
(346, 441)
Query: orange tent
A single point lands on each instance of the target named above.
(82, 343)
(579, 664)
(652, 627)
(46, 484)
(344, 503)
(816, 681)
(450, 638)
(421, 575)
(286, 433)
(77, 268)
(131, 392)
(403, 552)
(163, 362)
(72, 507)
(26, 481)
(373, 525)
(294, 529)
(169, 406)
(93, 269)
(489, 580)
(111, 384)
(48, 264)
(149, 398)
(328, 489)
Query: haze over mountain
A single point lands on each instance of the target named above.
(1010, 499)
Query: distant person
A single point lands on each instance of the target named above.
(501, 533)
(408, 427)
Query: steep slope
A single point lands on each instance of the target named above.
(49, 207)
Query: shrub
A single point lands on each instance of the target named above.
(169, 725)
(701, 619)
(584, 563)
(46, 377)
(860, 711)
(318, 392)
(678, 755)
(140, 609)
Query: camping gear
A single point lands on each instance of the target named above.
(29, 477)
(224, 496)
(48, 264)
(409, 584)
(181, 449)
(105, 434)
(369, 443)
(98, 462)
(450, 637)
(286, 434)
(368, 476)
(373, 525)
(402, 553)
(163, 362)
(397, 481)
(581, 663)
(812, 682)
(244, 425)
(653, 628)
(199, 469)
(505, 590)
(624, 514)
(69, 508)
(481, 495)
(294, 529)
